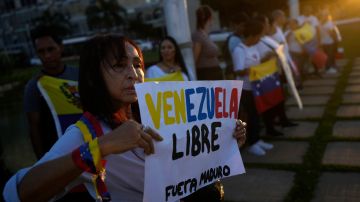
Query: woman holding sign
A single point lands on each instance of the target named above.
(108, 138)
(171, 64)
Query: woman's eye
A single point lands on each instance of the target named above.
(119, 65)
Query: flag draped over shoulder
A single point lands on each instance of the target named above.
(62, 97)
(306, 36)
(305, 33)
(176, 76)
(266, 85)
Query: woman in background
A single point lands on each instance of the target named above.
(205, 51)
(170, 61)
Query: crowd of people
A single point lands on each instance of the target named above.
(110, 65)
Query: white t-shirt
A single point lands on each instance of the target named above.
(294, 45)
(243, 58)
(310, 19)
(325, 30)
(155, 71)
(266, 45)
(279, 36)
(124, 172)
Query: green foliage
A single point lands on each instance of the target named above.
(59, 22)
(20, 75)
(11, 61)
(105, 15)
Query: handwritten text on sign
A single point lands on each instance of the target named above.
(197, 120)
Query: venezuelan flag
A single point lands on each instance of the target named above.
(62, 97)
(305, 33)
(266, 86)
(176, 76)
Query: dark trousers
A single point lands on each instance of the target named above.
(299, 59)
(210, 73)
(270, 115)
(249, 114)
(330, 51)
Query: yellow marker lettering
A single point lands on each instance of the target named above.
(179, 101)
(155, 112)
(168, 120)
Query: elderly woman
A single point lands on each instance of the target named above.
(109, 130)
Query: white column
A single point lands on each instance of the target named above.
(177, 25)
(294, 8)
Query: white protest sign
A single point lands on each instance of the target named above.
(197, 120)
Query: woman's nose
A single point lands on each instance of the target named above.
(132, 74)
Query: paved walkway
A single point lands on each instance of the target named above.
(321, 156)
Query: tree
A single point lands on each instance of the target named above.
(58, 21)
(105, 14)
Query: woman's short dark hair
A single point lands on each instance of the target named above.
(253, 28)
(94, 95)
(178, 56)
(203, 14)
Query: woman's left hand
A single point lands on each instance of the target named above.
(240, 132)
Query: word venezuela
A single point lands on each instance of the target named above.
(178, 106)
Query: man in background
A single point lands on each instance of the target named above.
(49, 49)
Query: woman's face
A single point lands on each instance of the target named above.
(121, 74)
(167, 50)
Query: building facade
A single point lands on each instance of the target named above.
(17, 16)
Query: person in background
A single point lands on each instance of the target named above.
(110, 66)
(49, 48)
(170, 60)
(237, 25)
(308, 17)
(295, 48)
(244, 56)
(206, 52)
(309, 48)
(266, 48)
(278, 19)
(329, 40)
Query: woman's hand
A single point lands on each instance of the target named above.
(240, 132)
(127, 136)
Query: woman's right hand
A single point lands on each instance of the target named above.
(127, 136)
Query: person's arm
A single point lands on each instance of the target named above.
(197, 50)
(34, 132)
(46, 180)
(238, 58)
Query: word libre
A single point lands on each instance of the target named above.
(201, 140)
(176, 107)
